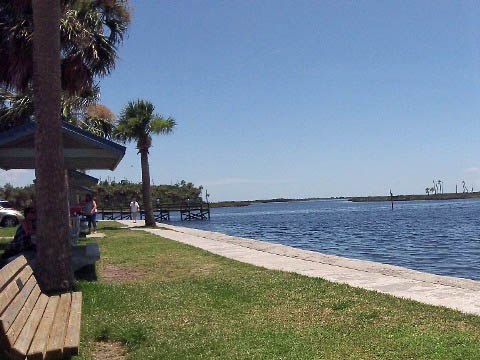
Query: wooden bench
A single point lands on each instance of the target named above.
(32, 324)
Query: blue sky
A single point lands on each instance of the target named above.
(303, 98)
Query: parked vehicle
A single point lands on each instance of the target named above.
(9, 216)
(5, 204)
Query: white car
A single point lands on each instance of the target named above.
(9, 216)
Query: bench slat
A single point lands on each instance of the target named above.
(33, 325)
(59, 328)
(72, 339)
(22, 317)
(25, 339)
(11, 290)
(37, 349)
(8, 317)
(9, 270)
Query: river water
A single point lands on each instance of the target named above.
(440, 237)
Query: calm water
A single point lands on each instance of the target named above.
(441, 237)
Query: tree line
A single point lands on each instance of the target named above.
(119, 194)
(112, 194)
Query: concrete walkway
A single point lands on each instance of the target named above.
(454, 293)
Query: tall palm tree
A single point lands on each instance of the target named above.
(53, 250)
(137, 122)
(66, 50)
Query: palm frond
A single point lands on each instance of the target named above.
(137, 122)
(98, 126)
(15, 109)
(90, 33)
(83, 111)
(160, 125)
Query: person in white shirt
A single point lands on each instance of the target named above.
(134, 209)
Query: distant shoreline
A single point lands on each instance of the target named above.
(448, 196)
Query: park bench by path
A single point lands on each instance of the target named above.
(32, 324)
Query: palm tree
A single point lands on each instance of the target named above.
(53, 249)
(90, 33)
(427, 190)
(138, 122)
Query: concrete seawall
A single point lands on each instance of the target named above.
(455, 293)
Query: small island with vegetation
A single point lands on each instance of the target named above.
(264, 201)
(449, 196)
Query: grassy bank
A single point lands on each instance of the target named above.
(159, 299)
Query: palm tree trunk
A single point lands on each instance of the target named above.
(147, 195)
(54, 269)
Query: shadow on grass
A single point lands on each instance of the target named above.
(4, 355)
(111, 228)
(87, 273)
(151, 227)
(3, 246)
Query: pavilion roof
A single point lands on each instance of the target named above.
(79, 179)
(82, 149)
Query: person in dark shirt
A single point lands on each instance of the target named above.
(24, 240)
(90, 211)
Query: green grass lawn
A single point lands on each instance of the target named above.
(7, 231)
(6, 235)
(184, 303)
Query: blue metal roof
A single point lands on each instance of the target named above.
(82, 175)
(17, 133)
(29, 128)
(88, 136)
(110, 149)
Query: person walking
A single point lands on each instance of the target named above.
(90, 211)
(134, 209)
